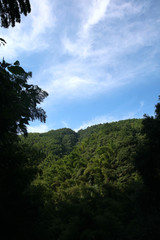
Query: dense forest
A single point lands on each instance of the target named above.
(101, 183)
(98, 183)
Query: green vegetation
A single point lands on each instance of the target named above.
(98, 183)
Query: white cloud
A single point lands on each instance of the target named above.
(42, 17)
(121, 32)
(71, 86)
(114, 45)
(112, 118)
(141, 104)
(120, 9)
(81, 47)
(77, 81)
(104, 119)
(105, 49)
(41, 128)
(31, 33)
(95, 121)
(95, 12)
(65, 124)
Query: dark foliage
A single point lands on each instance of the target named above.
(98, 190)
(11, 10)
(148, 159)
(2, 42)
(100, 183)
(18, 106)
(19, 101)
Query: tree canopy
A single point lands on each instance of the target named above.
(99, 183)
(18, 99)
(11, 10)
(105, 186)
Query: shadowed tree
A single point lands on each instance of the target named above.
(19, 102)
(18, 105)
(11, 10)
(149, 161)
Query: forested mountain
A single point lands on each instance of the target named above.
(99, 183)
(55, 142)
(89, 184)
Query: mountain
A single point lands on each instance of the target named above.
(99, 183)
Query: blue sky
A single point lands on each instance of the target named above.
(99, 60)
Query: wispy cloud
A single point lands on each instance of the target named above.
(95, 121)
(121, 9)
(41, 128)
(141, 104)
(76, 80)
(116, 39)
(111, 28)
(94, 13)
(137, 113)
(31, 34)
(65, 124)
(112, 43)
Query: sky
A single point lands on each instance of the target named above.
(99, 60)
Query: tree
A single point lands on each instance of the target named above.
(157, 110)
(18, 100)
(11, 10)
(148, 160)
(18, 105)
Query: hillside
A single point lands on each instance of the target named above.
(99, 183)
(88, 183)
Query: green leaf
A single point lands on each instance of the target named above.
(16, 70)
(4, 64)
(29, 74)
(17, 63)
